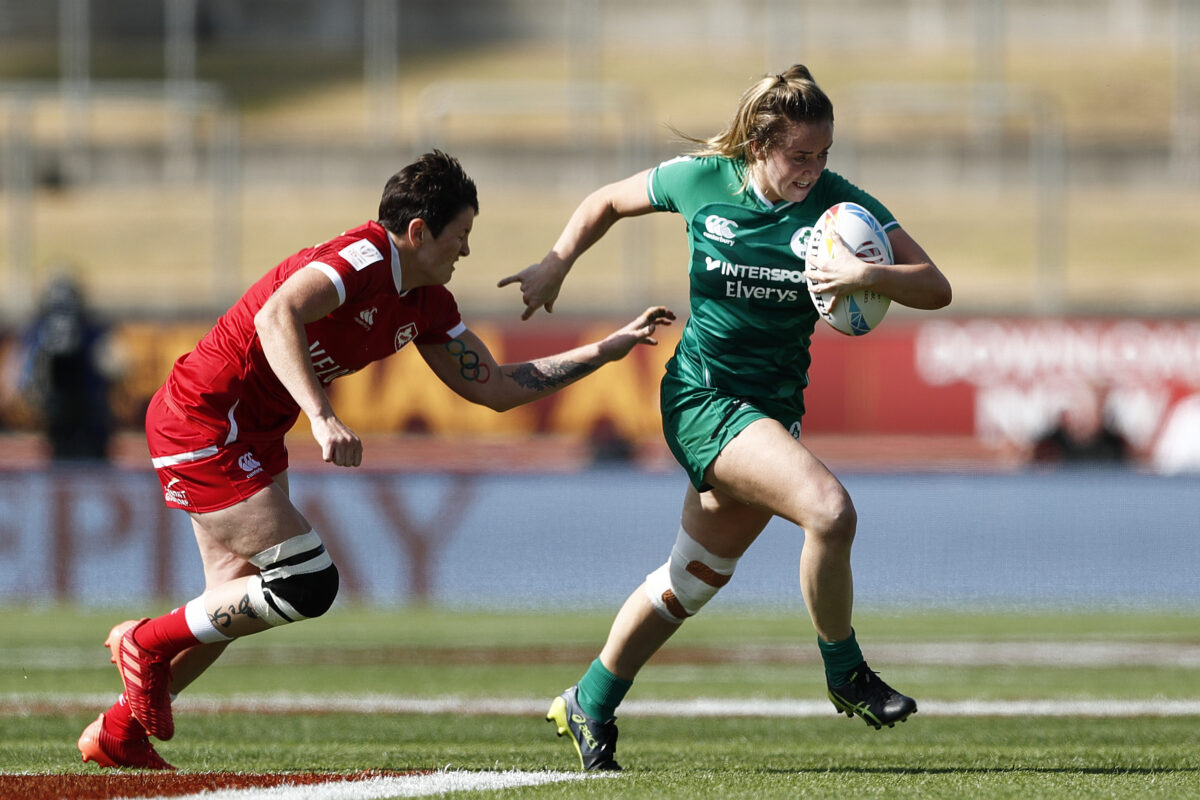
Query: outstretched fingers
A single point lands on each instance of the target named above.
(649, 321)
(539, 288)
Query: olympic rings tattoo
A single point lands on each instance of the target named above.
(468, 362)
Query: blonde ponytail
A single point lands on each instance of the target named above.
(764, 112)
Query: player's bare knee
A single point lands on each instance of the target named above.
(688, 580)
(834, 521)
(298, 580)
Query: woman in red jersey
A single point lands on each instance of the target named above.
(216, 428)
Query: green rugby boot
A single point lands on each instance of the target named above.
(596, 742)
(866, 695)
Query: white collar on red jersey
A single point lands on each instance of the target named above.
(397, 278)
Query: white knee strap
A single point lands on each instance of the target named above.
(298, 580)
(689, 579)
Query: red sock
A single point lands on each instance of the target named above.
(120, 722)
(167, 635)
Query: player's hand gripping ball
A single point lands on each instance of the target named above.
(859, 312)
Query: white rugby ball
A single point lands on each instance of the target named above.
(857, 313)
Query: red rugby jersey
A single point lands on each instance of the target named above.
(225, 383)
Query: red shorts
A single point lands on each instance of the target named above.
(200, 471)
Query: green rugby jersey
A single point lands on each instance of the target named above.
(752, 318)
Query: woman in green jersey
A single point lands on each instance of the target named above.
(733, 394)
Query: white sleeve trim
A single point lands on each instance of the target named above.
(654, 201)
(650, 187)
(333, 275)
(454, 332)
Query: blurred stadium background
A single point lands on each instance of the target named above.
(164, 155)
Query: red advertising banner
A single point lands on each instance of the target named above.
(1006, 381)
(870, 384)
(1138, 379)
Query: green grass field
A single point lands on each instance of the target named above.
(55, 677)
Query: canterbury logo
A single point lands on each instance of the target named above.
(366, 318)
(720, 228)
(249, 464)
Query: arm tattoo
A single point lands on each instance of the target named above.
(548, 373)
(468, 362)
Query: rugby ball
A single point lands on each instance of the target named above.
(857, 313)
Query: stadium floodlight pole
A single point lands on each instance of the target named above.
(179, 55)
(1185, 85)
(582, 22)
(381, 67)
(1050, 199)
(74, 57)
(226, 186)
(16, 179)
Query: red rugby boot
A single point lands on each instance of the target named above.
(146, 677)
(97, 744)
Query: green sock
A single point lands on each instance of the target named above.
(600, 692)
(840, 658)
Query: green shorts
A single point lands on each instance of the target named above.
(698, 422)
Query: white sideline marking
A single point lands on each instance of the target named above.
(396, 786)
(927, 708)
(701, 707)
(525, 707)
(954, 653)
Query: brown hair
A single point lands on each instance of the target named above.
(765, 111)
(433, 188)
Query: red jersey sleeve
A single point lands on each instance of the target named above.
(444, 321)
(361, 261)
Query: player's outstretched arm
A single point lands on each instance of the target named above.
(467, 366)
(541, 282)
